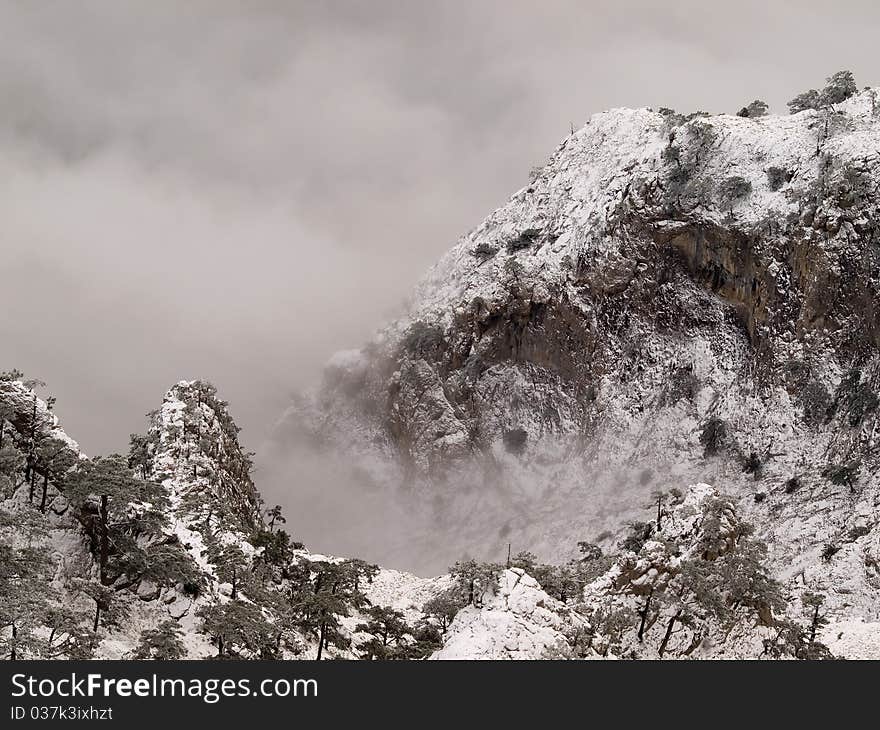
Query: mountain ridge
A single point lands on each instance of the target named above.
(510, 615)
(668, 289)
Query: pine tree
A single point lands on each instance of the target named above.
(692, 596)
(205, 511)
(812, 603)
(563, 582)
(638, 534)
(68, 637)
(754, 110)
(53, 459)
(661, 499)
(164, 563)
(719, 590)
(140, 454)
(274, 516)
(25, 574)
(276, 547)
(322, 593)
(807, 100)
(239, 628)
(426, 640)
(33, 431)
(525, 561)
(162, 642)
(361, 571)
(231, 563)
(110, 608)
(24, 587)
(608, 625)
(117, 509)
(838, 87)
(11, 465)
(593, 564)
(475, 579)
(443, 608)
(746, 580)
(791, 639)
(387, 629)
(6, 414)
(321, 613)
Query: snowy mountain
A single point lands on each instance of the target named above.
(671, 299)
(655, 368)
(211, 517)
(206, 577)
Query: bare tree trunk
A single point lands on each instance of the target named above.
(814, 624)
(695, 642)
(29, 466)
(31, 474)
(321, 641)
(45, 489)
(668, 633)
(97, 616)
(105, 541)
(644, 615)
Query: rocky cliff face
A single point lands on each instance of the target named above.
(671, 299)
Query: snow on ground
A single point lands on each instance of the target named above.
(403, 591)
(520, 621)
(853, 639)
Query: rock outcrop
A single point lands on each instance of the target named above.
(517, 621)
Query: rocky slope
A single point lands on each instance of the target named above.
(692, 584)
(191, 450)
(671, 299)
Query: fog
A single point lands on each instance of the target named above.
(233, 191)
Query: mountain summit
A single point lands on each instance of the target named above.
(671, 299)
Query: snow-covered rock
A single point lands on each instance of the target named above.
(519, 621)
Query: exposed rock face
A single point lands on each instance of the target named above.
(669, 300)
(30, 416)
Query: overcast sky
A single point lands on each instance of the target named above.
(234, 190)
